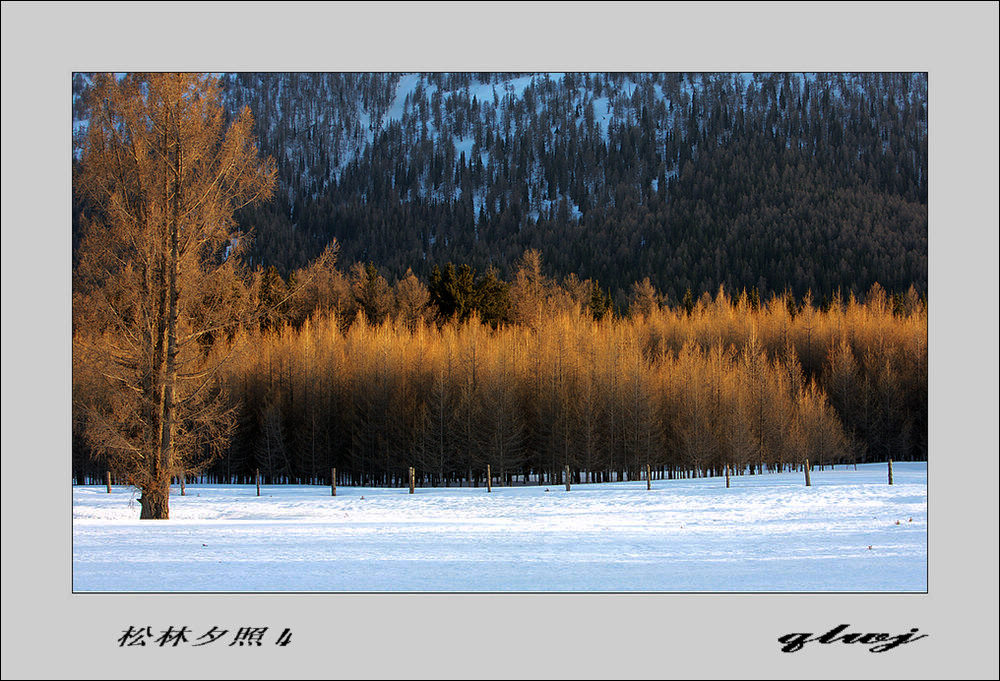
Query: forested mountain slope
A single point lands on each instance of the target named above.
(768, 181)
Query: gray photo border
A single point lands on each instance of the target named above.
(48, 631)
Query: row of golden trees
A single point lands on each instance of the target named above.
(684, 390)
(685, 393)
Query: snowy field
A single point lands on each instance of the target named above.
(765, 533)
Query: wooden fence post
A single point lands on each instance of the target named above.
(107, 479)
(806, 467)
(566, 474)
(489, 479)
(890, 471)
(333, 482)
(412, 476)
(257, 479)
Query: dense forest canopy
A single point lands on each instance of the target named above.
(686, 392)
(774, 182)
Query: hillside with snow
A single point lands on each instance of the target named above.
(774, 181)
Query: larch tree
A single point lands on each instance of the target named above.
(841, 377)
(412, 299)
(159, 279)
(643, 299)
(587, 408)
(441, 410)
(502, 421)
(530, 290)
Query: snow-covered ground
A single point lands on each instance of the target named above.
(765, 533)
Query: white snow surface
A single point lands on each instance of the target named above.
(765, 533)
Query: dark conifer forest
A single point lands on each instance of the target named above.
(774, 182)
(530, 271)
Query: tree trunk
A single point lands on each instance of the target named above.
(157, 506)
(155, 501)
(806, 468)
(890, 471)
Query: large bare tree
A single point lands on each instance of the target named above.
(158, 280)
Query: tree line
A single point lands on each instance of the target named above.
(370, 378)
